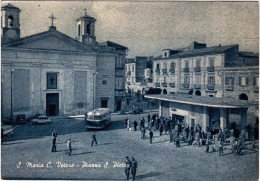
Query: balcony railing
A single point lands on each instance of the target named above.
(164, 71)
(164, 84)
(172, 71)
(210, 69)
(185, 85)
(172, 85)
(157, 84)
(197, 69)
(197, 86)
(157, 71)
(229, 87)
(210, 87)
(187, 70)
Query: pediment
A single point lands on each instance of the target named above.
(51, 40)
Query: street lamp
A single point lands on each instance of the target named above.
(12, 71)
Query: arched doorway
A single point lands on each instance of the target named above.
(243, 97)
(198, 93)
(164, 91)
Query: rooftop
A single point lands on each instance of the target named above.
(201, 100)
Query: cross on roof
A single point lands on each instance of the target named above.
(85, 11)
(52, 18)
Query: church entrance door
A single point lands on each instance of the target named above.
(52, 104)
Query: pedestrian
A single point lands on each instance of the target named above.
(177, 141)
(221, 147)
(171, 135)
(126, 122)
(94, 139)
(148, 118)
(161, 129)
(133, 167)
(232, 141)
(69, 147)
(142, 133)
(190, 139)
(54, 135)
(207, 145)
(135, 125)
(151, 136)
(127, 167)
(215, 146)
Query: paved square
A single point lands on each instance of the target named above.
(27, 155)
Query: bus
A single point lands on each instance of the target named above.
(98, 118)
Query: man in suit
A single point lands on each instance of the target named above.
(133, 167)
(151, 136)
(94, 139)
(54, 135)
(127, 167)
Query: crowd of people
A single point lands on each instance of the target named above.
(178, 131)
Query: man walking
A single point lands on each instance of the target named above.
(94, 139)
(135, 125)
(151, 136)
(127, 167)
(133, 167)
(69, 147)
(54, 135)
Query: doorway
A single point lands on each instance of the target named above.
(52, 104)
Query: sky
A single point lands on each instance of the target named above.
(146, 28)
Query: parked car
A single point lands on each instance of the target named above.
(136, 110)
(41, 120)
(33, 116)
(20, 119)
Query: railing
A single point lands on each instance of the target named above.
(210, 69)
(197, 86)
(164, 84)
(197, 69)
(157, 71)
(172, 71)
(186, 70)
(157, 84)
(172, 85)
(185, 85)
(210, 87)
(229, 87)
(164, 71)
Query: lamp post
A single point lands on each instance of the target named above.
(12, 71)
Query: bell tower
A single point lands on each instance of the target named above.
(86, 29)
(10, 17)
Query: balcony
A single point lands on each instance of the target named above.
(197, 86)
(157, 84)
(185, 85)
(210, 69)
(164, 71)
(197, 69)
(157, 71)
(172, 85)
(187, 70)
(229, 87)
(210, 87)
(172, 71)
(164, 84)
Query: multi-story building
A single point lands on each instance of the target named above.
(54, 74)
(134, 73)
(219, 72)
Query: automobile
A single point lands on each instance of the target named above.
(20, 119)
(41, 120)
(33, 116)
(136, 110)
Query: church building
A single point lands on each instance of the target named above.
(54, 74)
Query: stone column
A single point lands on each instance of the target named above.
(243, 120)
(223, 118)
(160, 108)
(205, 118)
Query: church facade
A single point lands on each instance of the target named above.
(52, 73)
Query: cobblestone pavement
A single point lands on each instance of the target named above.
(28, 155)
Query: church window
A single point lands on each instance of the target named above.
(10, 21)
(78, 30)
(88, 29)
(51, 80)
